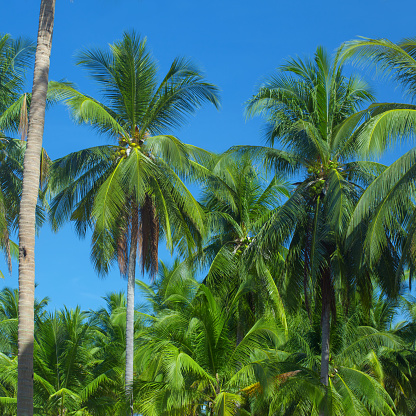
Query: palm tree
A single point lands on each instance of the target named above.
(311, 110)
(361, 372)
(65, 358)
(64, 362)
(9, 306)
(238, 200)
(387, 204)
(78, 357)
(172, 289)
(11, 171)
(110, 341)
(131, 192)
(15, 57)
(191, 360)
(11, 155)
(31, 175)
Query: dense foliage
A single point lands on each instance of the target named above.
(289, 295)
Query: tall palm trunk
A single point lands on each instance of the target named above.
(131, 281)
(31, 174)
(325, 323)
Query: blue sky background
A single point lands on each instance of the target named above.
(237, 43)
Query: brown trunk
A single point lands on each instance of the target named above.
(31, 174)
(325, 323)
(306, 268)
(131, 281)
(325, 343)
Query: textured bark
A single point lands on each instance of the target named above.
(31, 175)
(325, 323)
(306, 268)
(131, 281)
(325, 342)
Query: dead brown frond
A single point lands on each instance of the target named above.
(45, 163)
(125, 222)
(23, 123)
(256, 389)
(4, 235)
(149, 237)
(6, 243)
(122, 259)
(285, 376)
(253, 389)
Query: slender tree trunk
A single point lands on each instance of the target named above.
(325, 342)
(31, 174)
(131, 282)
(325, 323)
(306, 268)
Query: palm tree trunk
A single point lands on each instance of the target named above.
(325, 319)
(325, 323)
(31, 174)
(306, 267)
(131, 281)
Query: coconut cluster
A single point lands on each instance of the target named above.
(318, 174)
(124, 147)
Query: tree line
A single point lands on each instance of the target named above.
(304, 246)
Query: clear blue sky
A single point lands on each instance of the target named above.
(235, 42)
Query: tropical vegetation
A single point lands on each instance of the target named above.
(132, 192)
(290, 291)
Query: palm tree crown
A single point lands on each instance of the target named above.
(134, 109)
(388, 203)
(132, 192)
(312, 113)
(15, 57)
